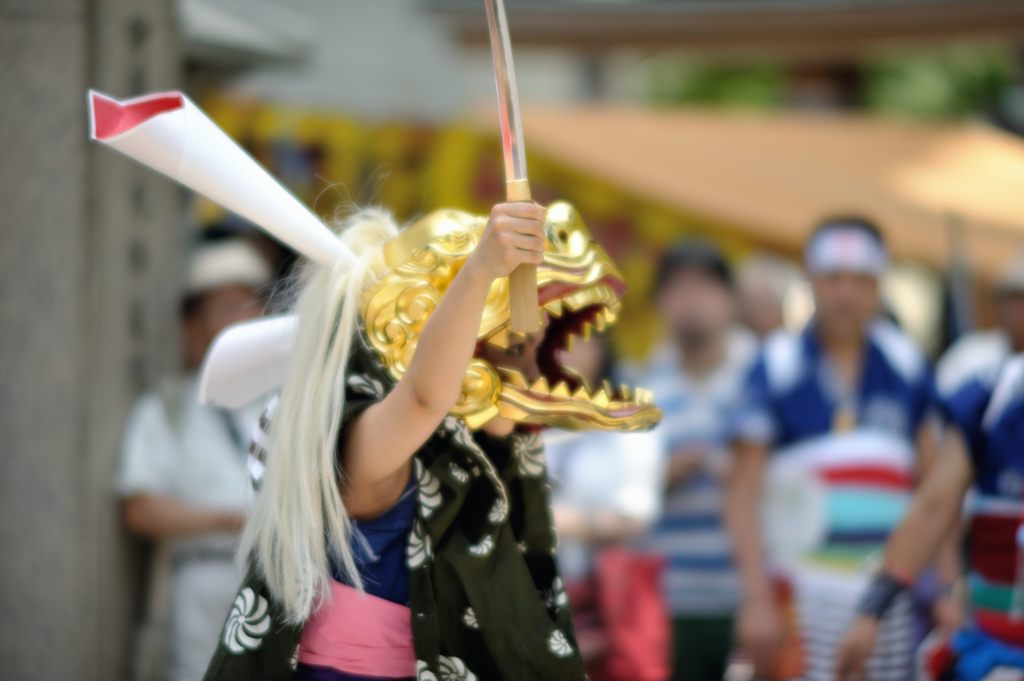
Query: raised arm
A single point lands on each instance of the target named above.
(383, 439)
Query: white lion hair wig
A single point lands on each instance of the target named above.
(299, 526)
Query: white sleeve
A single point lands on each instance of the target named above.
(641, 461)
(976, 355)
(147, 450)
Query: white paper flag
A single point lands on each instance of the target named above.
(247, 360)
(169, 133)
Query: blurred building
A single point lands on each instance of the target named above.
(90, 251)
(360, 114)
(390, 102)
(820, 47)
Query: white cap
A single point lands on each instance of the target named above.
(226, 263)
(1011, 279)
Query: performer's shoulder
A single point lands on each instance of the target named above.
(782, 359)
(899, 349)
(975, 357)
(1008, 389)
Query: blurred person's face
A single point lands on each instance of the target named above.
(760, 310)
(696, 307)
(217, 310)
(845, 303)
(1010, 317)
(521, 353)
(586, 359)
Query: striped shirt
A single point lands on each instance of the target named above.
(699, 577)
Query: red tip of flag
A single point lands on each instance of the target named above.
(111, 118)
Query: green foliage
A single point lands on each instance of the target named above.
(949, 82)
(679, 81)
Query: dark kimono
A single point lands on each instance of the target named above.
(485, 595)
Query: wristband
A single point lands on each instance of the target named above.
(880, 594)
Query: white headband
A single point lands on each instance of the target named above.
(846, 248)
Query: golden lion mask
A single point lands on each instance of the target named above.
(578, 286)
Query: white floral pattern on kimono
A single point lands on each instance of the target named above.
(498, 512)
(454, 669)
(483, 547)
(419, 550)
(555, 597)
(529, 453)
(458, 472)
(247, 623)
(469, 619)
(558, 644)
(459, 432)
(429, 490)
(461, 435)
(423, 672)
(366, 385)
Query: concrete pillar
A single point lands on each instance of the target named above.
(89, 261)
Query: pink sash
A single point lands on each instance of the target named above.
(360, 634)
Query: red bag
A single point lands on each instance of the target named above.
(621, 621)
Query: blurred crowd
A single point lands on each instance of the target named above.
(742, 538)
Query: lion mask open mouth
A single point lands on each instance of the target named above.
(579, 288)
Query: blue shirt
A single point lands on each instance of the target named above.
(792, 394)
(849, 451)
(378, 547)
(988, 409)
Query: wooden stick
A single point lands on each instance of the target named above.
(522, 283)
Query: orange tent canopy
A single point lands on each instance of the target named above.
(770, 176)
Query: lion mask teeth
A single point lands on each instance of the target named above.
(605, 395)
